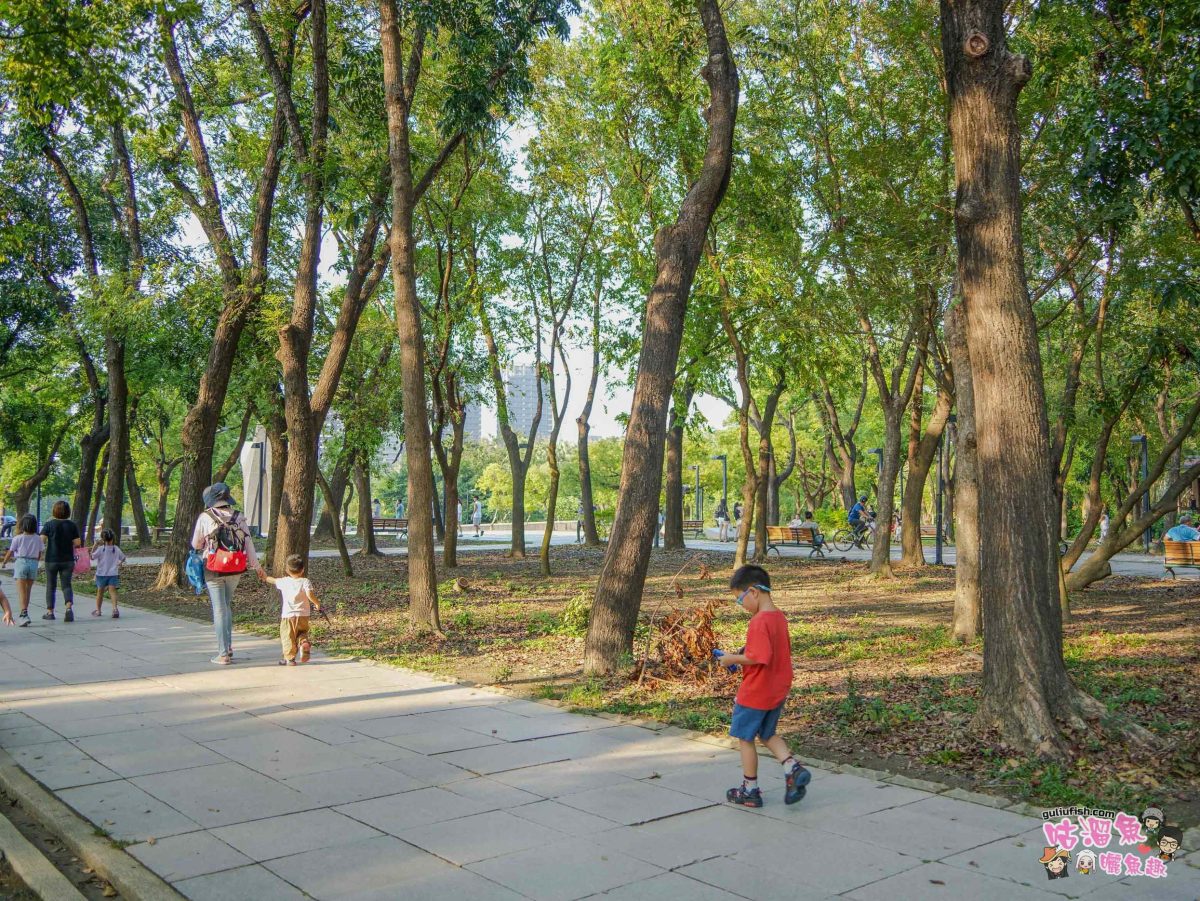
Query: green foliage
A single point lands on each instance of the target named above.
(576, 614)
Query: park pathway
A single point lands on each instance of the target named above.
(346, 780)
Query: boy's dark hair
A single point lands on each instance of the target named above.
(808, 514)
(28, 524)
(750, 576)
(294, 564)
(107, 535)
(61, 510)
(1175, 832)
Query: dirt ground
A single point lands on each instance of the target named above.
(878, 679)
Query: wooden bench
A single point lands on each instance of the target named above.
(391, 524)
(777, 535)
(695, 526)
(1180, 554)
(160, 531)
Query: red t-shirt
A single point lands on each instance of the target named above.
(765, 685)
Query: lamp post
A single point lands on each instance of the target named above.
(941, 487)
(724, 477)
(1145, 471)
(695, 467)
(260, 446)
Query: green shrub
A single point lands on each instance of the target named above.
(576, 614)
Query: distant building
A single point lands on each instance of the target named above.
(473, 422)
(521, 388)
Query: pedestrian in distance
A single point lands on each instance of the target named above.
(25, 551)
(108, 559)
(60, 537)
(722, 515)
(477, 518)
(766, 664)
(299, 600)
(222, 535)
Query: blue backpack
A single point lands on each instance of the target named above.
(195, 571)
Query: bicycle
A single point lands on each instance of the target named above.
(845, 538)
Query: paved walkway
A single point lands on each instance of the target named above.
(345, 780)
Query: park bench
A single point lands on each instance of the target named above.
(391, 524)
(163, 531)
(1180, 554)
(777, 535)
(695, 526)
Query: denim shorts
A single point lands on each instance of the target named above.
(749, 722)
(25, 568)
(106, 581)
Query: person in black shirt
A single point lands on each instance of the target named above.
(61, 538)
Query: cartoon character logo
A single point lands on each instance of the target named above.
(1152, 819)
(1055, 861)
(1169, 840)
(1085, 862)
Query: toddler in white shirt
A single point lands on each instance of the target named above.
(299, 601)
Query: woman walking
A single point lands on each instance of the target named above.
(222, 536)
(26, 550)
(61, 537)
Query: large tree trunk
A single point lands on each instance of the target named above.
(89, 534)
(338, 535)
(677, 252)
(276, 429)
(398, 94)
(118, 433)
(779, 476)
(338, 482)
(921, 454)
(881, 552)
(1026, 689)
(450, 480)
(90, 448)
(967, 623)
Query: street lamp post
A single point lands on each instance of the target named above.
(724, 477)
(1145, 471)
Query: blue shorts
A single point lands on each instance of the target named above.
(25, 568)
(750, 722)
(106, 581)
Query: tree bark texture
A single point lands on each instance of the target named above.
(136, 504)
(591, 538)
(921, 454)
(673, 513)
(366, 526)
(677, 253)
(1026, 688)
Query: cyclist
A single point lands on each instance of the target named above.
(859, 518)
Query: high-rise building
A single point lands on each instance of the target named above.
(521, 388)
(473, 422)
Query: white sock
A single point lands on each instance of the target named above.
(749, 784)
(789, 763)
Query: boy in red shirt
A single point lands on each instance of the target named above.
(766, 663)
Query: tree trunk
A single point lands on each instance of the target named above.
(337, 488)
(118, 433)
(90, 448)
(135, 503)
(24, 491)
(551, 506)
(366, 525)
(921, 454)
(778, 477)
(881, 552)
(1026, 688)
(967, 623)
(276, 429)
(673, 514)
(677, 252)
(338, 535)
(450, 480)
(422, 569)
(90, 534)
(591, 538)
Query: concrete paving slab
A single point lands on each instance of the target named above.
(241, 884)
(633, 803)
(1016, 858)
(183, 856)
(359, 783)
(371, 865)
(1180, 884)
(146, 751)
(282, 753)
(395, 814)
(446, 885)
(294, 834)
(936, 880)
(480, 837)
(693, 836)
(552, 780)
(581, 869)
(439, 738)
(123, 811)
(59, 764)
(428, 771)
(565, 819)
(223, 794)
(667, 887)
(496, 795)
(759, 883)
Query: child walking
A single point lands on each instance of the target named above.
(766, 663)
(299, 601)
(26, 551)
(109, 559)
